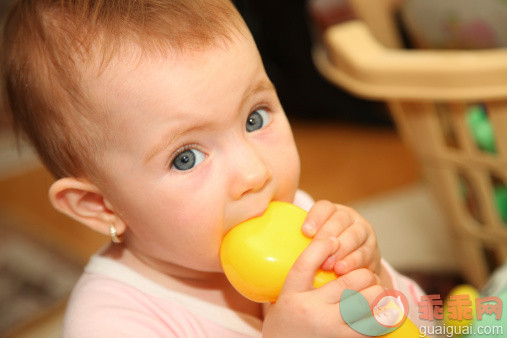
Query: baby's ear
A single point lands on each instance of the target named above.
(84, 202)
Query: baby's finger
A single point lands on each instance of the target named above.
(317, 216)
(356, 280)
(352, 239)
(360, 258)
(339, 221)
(301, 275)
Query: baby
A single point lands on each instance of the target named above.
(163, 131)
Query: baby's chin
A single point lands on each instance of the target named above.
(218, 268)
(212, 266)
(203, 272)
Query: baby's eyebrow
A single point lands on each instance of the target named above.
(168, 141)
(263, 85)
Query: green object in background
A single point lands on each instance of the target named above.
(481, 128)
(484, 136)
(501, 201)
(476, 114)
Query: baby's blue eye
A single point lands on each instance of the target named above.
(256, 120)
(187, 159)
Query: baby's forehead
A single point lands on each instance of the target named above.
(138, 77)
(125, 73)
(133, 67)
(130, 58)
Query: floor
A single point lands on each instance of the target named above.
(366, 167)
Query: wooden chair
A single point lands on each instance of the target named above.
(429, 93)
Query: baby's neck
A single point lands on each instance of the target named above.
(212, 287)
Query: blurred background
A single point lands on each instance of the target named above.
(350, 149)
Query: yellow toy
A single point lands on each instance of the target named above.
(457, 291)
(257, 255)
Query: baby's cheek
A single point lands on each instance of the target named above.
(292, 169)
(287, 186)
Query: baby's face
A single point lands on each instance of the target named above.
(201, 144)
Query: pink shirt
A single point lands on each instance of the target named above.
(112, 300)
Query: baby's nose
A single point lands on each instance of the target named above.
(251, 173)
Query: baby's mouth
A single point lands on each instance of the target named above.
(249, 217)
(253, 212)
(259, 213)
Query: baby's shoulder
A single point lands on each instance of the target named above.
(102, 306)
(101, 292)
(99, 305)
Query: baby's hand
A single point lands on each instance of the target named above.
(302, 311)
(357, 247)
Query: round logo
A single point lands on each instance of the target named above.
(390, 308)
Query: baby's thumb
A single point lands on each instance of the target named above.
(301, 275)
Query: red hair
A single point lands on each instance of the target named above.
(46, 44)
